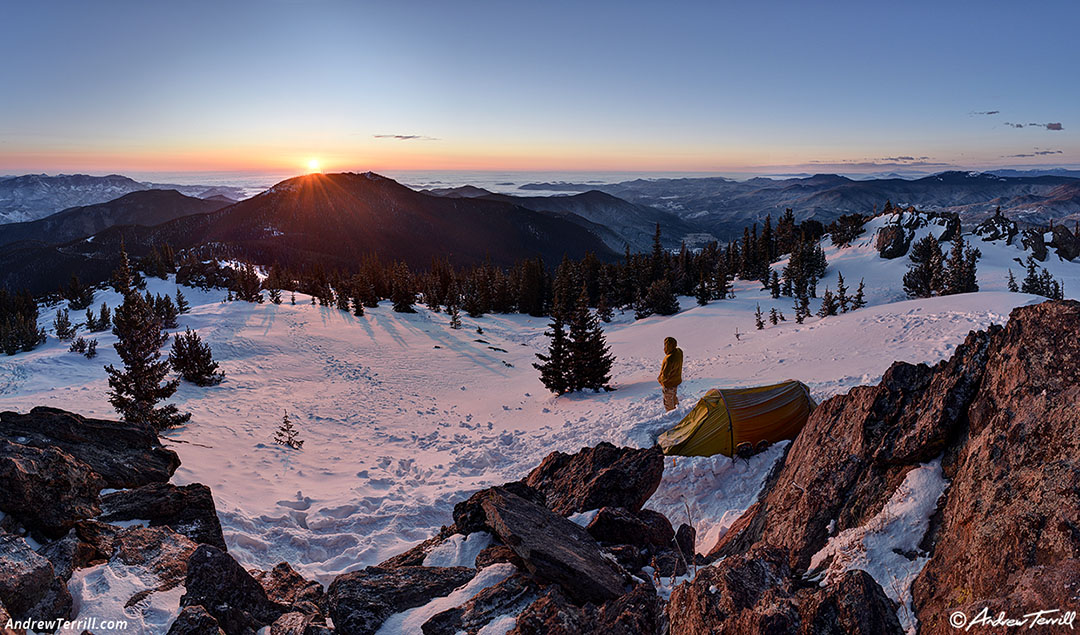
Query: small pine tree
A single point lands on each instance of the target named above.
(455, 316)
(841, 293)
(1012, 283)
(774, 317)
(193, 360)
(604, 310)
(402, 294)
(780, 314)
(774, 284)
(287, 434)
(590, 359)
(182, 305)
(292, 298)
(759, 322)
(358, 306)
(554, 367)
(859, 301)
(78, 345)
(165, 310)
(829, 306)
(703, 291)
(802, 308)
(65, 330)
(91, 349)
(342, 300)
(275, 295)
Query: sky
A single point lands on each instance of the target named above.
(769, 86)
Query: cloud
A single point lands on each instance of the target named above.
(903, 159)
(881, 163)
(1036, 153)
(1048, 126)
(986, 112)
(404, 137)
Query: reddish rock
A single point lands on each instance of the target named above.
(188, 510)
(617, 526)
(601, 476)
(45, 488)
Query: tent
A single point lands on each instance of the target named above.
(725, 418)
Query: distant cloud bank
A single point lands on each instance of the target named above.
(405, 137)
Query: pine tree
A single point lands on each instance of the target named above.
(554, 367)
(959, 275)
(758, 321)
(774, 317)
(402, 294)
(136, 389)
(604, 310)
(924, 276)
(660, 299)
(358, 305)
(287, 434)
(774, 284)
(78, 295)
(275, 295)
(91, 349)
(859, 301)
(1012, 283)
(589, 360)
(802, 308)
(829, 306)
(292, 298)
(165, 310)
(842, 298)
(193, 360)
(182, 305)
(65, 330)
(703, 291)
(455, 315)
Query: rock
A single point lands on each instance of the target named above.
(1008, 535)
(685, 539)
(630, 557)
(997, 227)
(5, 617)
(469, 516)
(359, 602)
(639, 612)
(159, 550)
(508, 597)
(189, 510)
(99, 537)
(617, 526)
(124, 454)
(741, 535)
(498, 553)
(553, 614)
(854, 603)
(228, 592)
(90, 542)
(287, 587)
(415, 557)
(1067, 245)
(892, 241)
(29, 587)
(601, 476)
(1033, 238)
(46, 489)
(194, 620)
(295, 623)
(554, 549)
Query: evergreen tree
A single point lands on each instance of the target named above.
(774, 284)
(287, 434)
(555, 366)
(802, 308)
(829, 305)
(275, 295)
(358, 305)
(165, 310)
(1012, 283)
(91, 349)
(193, 360)
(62, 325)
(721, 280)
(859, 301)
(455, 315)
(703, 292)
(292, 298)
(342, 299)
(402, 294)
(136, 389)
(604, 310)
(925, 273)
(247, 285)
(842, 298)
(182, 305)
(658, 261)
(78, 295)
(959, 275)
(774, 317)
(589, 360)
(759, 322)
(660, 299)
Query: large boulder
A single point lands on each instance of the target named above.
(601, 476)
(617, 526)
(158, 550)
(188, 509)
(469, 514)
(508, 597)
(1034, 239)
(195, 620)
(359, 602)
(229, 593)
(123, 454)
(46, 489)
(1066, 244)
(287, 587)
(1009, 531)
(29, 587)
(892, 241)
(553, 549)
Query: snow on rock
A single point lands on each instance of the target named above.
(713, 490)
(886, 546)
(409, 622)
(458, 550)
(102, 592)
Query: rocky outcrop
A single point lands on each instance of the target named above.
(296, 623)
(359, 602)
(123, 454)
(1033, 239)
(894, 238)
(555, 550)
(46, 489)
(1009, 530)
(469, 515)
(194, 620)
(287, 587)
(29, 587)
(509, 597)
(189, 510)
(1066, 244)
(997, 227)
(221, 586)
(639, 612)
(892, 241)
(601, 476)
(617, 526)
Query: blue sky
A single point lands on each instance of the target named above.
(712, 86)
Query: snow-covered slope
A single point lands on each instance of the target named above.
(401, 415)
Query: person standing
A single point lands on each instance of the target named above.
(671, 373)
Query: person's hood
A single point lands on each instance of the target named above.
(669, 345)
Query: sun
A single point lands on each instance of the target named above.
(313, 166)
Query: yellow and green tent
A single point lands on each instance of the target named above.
(725, 418)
